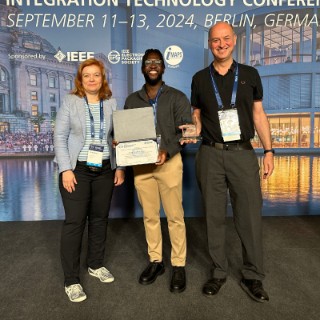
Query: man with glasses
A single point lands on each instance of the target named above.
(162, 181)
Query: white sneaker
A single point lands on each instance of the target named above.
(75, 293)
(102, 273)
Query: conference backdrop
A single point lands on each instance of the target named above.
(42, 43)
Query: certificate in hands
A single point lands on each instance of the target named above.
(135, 133)
(136, 152)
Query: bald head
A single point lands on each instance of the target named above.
(219, 26)
(221, 41)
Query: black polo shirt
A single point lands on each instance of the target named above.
(203, 97)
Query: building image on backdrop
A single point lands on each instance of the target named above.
(34, 78)
(288, 60)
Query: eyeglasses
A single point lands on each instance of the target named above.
(150, 62)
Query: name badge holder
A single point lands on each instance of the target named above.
(228, 119)
(95, 153)
(229, 124)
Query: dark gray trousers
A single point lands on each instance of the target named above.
(220, 171)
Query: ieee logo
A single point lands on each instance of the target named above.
(74, 55)
(60, 56)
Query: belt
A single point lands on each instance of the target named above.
(231, 146)
(105, 163)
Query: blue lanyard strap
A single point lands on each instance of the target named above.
(92, 119)
(234, 90)
(154, 103)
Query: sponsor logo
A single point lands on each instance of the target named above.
(173, 55)
(74, 55)
(114, 56)
(125, 57)
(60, 56)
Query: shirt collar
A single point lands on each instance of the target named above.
(142, 91)
(232, 68)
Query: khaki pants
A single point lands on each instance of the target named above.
(162, 183)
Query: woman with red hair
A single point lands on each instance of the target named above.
(87, 173)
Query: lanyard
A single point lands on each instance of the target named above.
(234, 90)
(154, 104)
(92, 119)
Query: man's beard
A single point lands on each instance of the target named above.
(152, 82)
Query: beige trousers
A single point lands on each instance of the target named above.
(162, 183)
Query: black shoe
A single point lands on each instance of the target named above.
(254, 289)
(149, 275)
(178, 280)
(212, 286)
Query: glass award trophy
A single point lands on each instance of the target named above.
(189, 132)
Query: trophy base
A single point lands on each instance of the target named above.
(196, 138)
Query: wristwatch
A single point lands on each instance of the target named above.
(269, 150)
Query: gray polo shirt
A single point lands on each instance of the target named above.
(173, 109)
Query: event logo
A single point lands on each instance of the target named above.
(173, 55)
(114, 57)
(125, 57)
(74, 55)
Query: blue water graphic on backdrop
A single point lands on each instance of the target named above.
(294, 188)
(29, 190)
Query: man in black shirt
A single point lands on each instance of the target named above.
(227, 101)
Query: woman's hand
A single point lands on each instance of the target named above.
(69, 180)
(119, 177)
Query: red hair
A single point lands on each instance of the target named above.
(105, 92)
